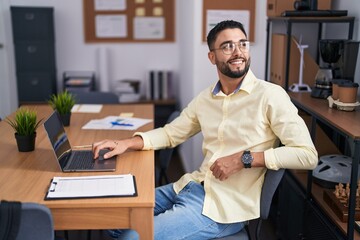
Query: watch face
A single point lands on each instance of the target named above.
(247, 158)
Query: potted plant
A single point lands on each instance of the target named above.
(25, 124)
(63, 103)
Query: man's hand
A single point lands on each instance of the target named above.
(117, 147)
(224, 167)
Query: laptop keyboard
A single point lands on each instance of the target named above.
(82, 160)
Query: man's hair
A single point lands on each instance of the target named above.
(212, 35)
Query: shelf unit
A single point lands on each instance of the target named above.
(346, 124)
(289, 21)
(79, 81)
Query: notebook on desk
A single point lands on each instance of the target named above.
(71, 160)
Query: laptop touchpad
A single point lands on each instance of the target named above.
(101, 154)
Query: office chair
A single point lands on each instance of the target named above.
(25, 221)
(82, 97)
(165, 156)
(271, 183)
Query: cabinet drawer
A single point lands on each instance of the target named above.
(32, 23)
(35, 56)
(35, 87)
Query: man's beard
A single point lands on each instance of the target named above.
(224, 69)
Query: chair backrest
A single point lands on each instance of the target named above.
(271, 183)
(33, 221)
(165, 155)
(83, 97)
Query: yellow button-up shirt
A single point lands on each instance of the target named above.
(257, 117)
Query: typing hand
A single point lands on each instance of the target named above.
(114, 147)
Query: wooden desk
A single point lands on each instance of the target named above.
(345, 123)
(25, 177)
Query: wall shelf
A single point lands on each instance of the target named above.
(289, 21)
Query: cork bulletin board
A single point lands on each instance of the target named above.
(243, 11)
(129, 21)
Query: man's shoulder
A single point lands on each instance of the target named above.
(269, 91)
(269, 86)
(206, 91)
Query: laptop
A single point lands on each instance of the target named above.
(71, 160)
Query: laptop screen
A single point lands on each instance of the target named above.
(58, 138)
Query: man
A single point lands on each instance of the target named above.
(243, 120)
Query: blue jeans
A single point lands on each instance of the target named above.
(178, 216)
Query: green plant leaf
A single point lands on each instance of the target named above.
(25, 122)
(62, 102)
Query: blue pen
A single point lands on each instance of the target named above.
(122, 124)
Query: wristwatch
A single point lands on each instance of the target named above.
(247, 159)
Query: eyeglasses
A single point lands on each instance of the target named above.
(229, 47)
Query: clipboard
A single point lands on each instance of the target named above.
(92, 187)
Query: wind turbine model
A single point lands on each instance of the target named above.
(300, 87)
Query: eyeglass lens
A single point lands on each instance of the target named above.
(229, 48)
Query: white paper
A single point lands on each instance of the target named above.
(115, 5)
(86, 108)
(121, 123)
(92, 186)
(109, 26)
(149, 28)
(215, 16)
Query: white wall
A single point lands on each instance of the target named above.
(8, 92)
(187, 56)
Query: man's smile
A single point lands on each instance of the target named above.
(237, 61)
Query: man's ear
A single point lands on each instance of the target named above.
(211, 56)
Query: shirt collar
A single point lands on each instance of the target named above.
(246, 84)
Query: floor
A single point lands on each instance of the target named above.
(175, 171)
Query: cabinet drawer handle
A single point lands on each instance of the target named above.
(29, 16)
(34, 82)
(31, 49)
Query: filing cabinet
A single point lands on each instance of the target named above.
(34, 43)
